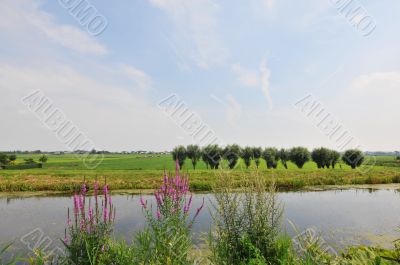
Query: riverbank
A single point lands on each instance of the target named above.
(68, 181)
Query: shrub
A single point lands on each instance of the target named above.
(3, 159)
(247, 224)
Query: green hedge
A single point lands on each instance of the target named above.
(23, 166)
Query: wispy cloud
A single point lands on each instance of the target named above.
(246, 77)
(138, 76)
(195, 34)
(233, 109)
(255, 78)
(26, 16)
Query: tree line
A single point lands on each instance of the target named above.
(212, 155)
(11, 160)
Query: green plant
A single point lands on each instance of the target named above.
(88, 239)
(232, 154)
(247, 223)
(43, 159)
(193, 152)
(212, 155)
(179, 153)
(246, 154)
(271, 157)
(257, 153)
(284, 156)
(167, 237)
(353, 157)
(299, 156)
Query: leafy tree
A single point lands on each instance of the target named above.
(334, 157)
(257, 153)
(212, 155)
(232, 154)
(43, 159)
(299, 156)
(353, 158)
(321, 156)
(247, 154)
(271, 157)
(12, 157)
(284, 156)
(3, 159)
(204, 157)
(29, 161)
(193, 153)
(179, 153)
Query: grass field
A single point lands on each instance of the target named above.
(66, 172)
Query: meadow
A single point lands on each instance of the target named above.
(65, 173)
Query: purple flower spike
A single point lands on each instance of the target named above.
(177, 167)
(142, 202)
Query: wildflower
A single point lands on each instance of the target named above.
(142, 202)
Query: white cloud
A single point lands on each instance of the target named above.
(107, 113)
(195, 34)
(233, 110)
(246, 77)
(26, 17)
(265, 84)
(252, 78)
(138, 76)
(268, 4)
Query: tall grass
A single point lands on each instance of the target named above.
(247, 223)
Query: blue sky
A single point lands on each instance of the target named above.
(240, 65)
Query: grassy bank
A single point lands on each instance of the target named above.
(66, 172)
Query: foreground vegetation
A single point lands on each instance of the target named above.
(247, 231)
(64, 173)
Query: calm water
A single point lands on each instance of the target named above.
(345, 217)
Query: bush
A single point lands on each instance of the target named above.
(247, 224)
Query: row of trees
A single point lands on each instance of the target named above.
(212, 155)
(11, 159)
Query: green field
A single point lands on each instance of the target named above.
(66, 172)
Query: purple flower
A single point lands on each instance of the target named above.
(142, 202)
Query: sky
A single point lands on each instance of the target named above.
(243, 68)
